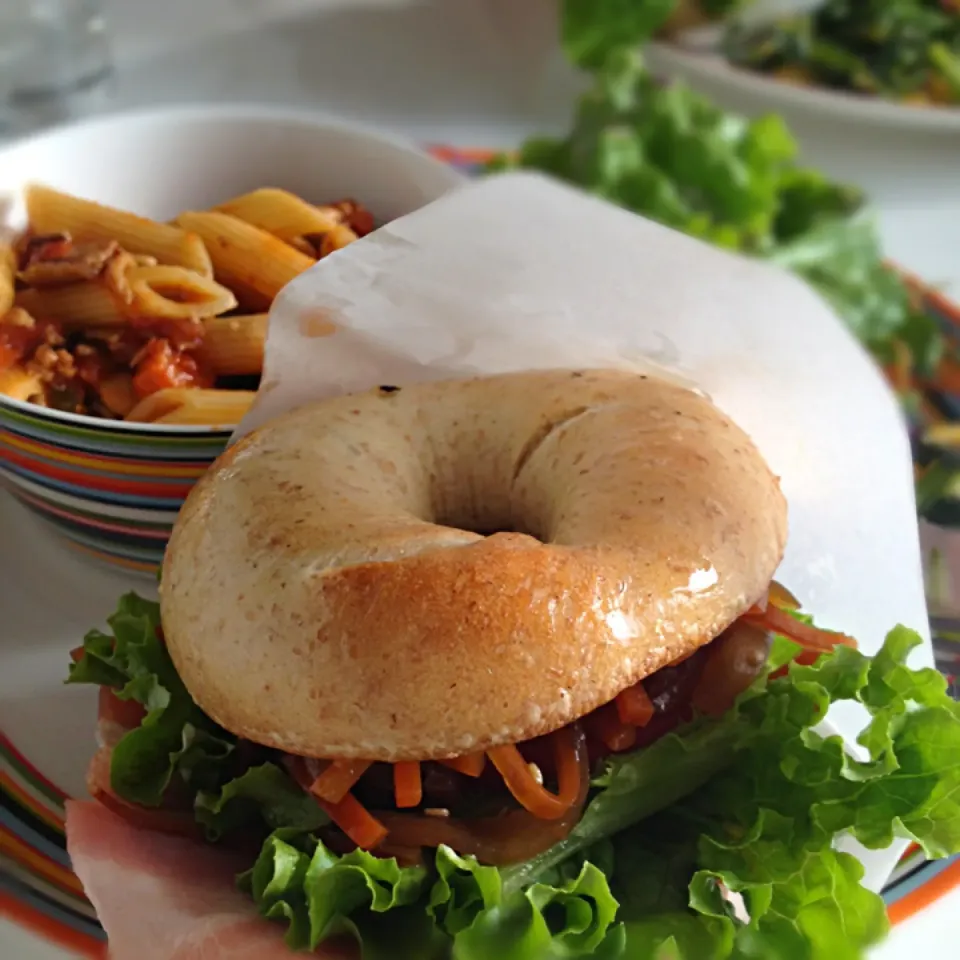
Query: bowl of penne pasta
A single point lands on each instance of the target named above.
(139, 257)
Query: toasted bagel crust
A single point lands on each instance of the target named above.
(324, 592)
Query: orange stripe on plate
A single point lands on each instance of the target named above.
(166, 468)
(33, 920)
(921, 898)
(39, 863)
(463, 154)
(141, 488)
(29, 802)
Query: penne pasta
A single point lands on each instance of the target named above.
(126, 305)
(250, 261)
(117, 394)
(234, 345)
(283, 214)
(193, 406)
(8, 276)
(50, 211)
(174, 292)
(304, 246)
(88, 304)
(336, 239)
(19, 384)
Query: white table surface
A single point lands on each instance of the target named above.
(481, 72)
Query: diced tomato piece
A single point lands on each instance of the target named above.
(162, 366)
(163, 819)
(126, 713)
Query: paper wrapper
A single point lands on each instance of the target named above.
(518, 272)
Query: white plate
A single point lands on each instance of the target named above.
(714, 73)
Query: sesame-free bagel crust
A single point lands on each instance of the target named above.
(325, 590)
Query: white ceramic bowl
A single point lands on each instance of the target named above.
(114, 489)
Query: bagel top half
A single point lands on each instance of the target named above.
(338, 584)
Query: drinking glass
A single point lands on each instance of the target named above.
(55, 61)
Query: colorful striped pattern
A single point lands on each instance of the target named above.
(121, 487)
(111, 489)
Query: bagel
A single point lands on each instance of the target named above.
(417, 573)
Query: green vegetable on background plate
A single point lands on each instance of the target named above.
(669, 153)
(905, 50)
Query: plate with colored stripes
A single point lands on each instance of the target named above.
(49, 597)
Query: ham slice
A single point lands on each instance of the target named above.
(168, 898)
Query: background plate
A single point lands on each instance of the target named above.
(713, 72)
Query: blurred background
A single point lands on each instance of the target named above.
(462, 72)
(848, 173)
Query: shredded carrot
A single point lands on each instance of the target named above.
(407, 785)
(365, 830)
(634, 706)
(470, 765)
(781, 597)
(530, 794)
(338, 779)
(807, 635)
(605, 724)
(76, 654)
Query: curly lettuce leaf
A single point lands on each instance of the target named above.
(175, 735)
(669, 153)
(264, 793)
(746, 866)
(298, 881)
(458, 908)
(590, 29)
(176, 739)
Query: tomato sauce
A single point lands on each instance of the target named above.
(18, 343)
(161, 365)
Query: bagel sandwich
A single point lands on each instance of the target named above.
(495, 666)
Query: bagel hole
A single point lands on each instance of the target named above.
(487, 517)
(486, 526)
(542, 434)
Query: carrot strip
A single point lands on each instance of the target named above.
(533, 796)
(634, 706)
(338, 779)
(365, 830)
(605, 724)
(407, 784)
(807, 635)
(76, 654)
(781, 597)
(470, 765)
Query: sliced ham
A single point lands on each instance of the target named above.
(168, 898)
